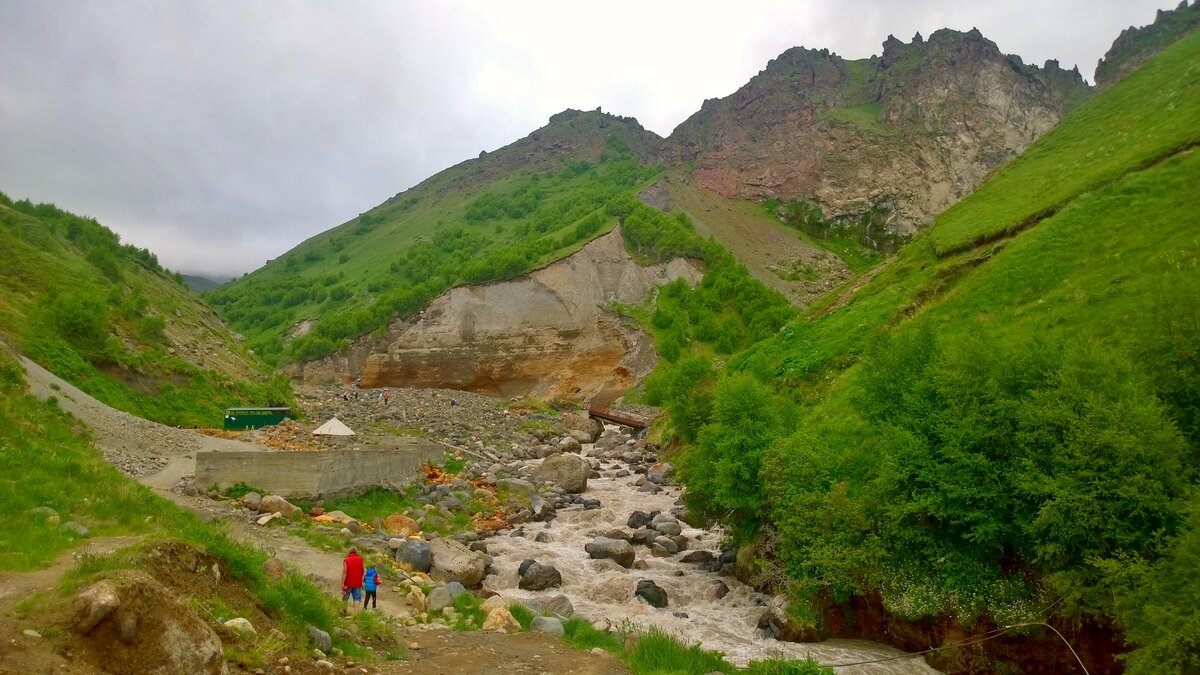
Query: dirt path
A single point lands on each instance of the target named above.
(17, 586)
(450, 653)
(160, 455)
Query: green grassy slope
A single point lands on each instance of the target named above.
(502, 214)
(1004, 418)
(108, 318)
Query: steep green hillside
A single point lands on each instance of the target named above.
(502, 214)
(1002, 422)
(107, 317)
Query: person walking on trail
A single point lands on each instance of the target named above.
(352, 577)
(371, 585)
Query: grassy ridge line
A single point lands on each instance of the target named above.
(1148, 115)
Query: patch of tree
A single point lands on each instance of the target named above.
(963, 476)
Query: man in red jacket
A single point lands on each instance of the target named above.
(352, 577)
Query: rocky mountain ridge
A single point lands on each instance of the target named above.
(910, 131)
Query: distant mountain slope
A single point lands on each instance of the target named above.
(200, 284)
(504, 213)
(907, 133)
(1001, 426)
(111, 320)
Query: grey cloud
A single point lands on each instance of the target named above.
(219, 135)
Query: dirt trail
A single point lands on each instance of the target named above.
(125, 438)
(17, 586)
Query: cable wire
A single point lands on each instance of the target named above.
(984, 637)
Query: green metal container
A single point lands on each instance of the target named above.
(253, 418)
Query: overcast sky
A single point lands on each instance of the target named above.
(221, 134)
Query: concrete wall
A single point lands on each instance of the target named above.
(312, 474)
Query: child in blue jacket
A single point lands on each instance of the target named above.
(370, 585)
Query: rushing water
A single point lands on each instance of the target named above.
(603, 589)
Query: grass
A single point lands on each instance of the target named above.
(522, 614)
(865, 116)
(581, 634)
(657, 652)
(469, 615)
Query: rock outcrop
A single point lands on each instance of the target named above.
(546, 333)
(908, 133)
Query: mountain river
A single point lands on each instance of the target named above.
(602, 589)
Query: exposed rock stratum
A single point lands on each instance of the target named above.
(548, 333)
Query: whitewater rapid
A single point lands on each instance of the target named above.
(602, 589)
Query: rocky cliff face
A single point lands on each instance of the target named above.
(911, 131)
(547, 333)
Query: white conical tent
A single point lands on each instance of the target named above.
(333, 427)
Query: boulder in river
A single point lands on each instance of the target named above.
(661, 473)
(569, 472)
(613, 549)
(640, 519)
(538, 577)
(652, 593)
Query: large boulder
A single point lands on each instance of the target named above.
(252, 500)
(666, 524)
(580, 421)
(538, 577)
(400, 524)
(320, 639)
(155, 632)
(501, 619)
(620, 552)
(547, 624)
(652, 593)
(639, 519)
(242, 628)
(569, 472)
(414, 554)
(452, 561)
(277, 504)
(660, 473)
(94, 604)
